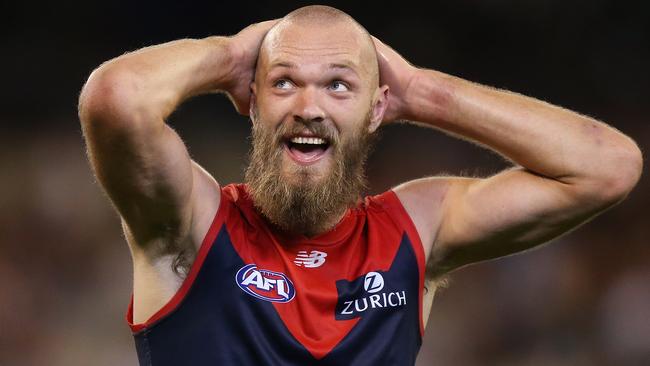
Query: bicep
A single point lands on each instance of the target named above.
(141, 163)
(507, 213)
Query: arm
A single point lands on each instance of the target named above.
(569, 167)
(140, 161)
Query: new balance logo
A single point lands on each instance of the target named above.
(312, 260)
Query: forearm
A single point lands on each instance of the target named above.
(158, 78)
(549, 140)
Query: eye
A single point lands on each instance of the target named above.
(283, 84)
(338, 86)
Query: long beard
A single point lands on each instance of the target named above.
(302, 203)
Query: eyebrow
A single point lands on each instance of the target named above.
(348, 66)
(342, 66)
(288, 65)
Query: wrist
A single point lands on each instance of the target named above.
(407, 110)
(224, 55)
(429, 96)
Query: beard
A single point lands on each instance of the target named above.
(295, 198)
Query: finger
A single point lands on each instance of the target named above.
(265, 26)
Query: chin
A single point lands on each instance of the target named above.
(306, 175)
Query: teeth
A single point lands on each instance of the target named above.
(308, 140)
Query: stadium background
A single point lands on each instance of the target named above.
(65, 272)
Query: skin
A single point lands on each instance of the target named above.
(325, 74)
(569, 167)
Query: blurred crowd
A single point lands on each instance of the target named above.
(583, 299)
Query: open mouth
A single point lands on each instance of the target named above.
(306, 149)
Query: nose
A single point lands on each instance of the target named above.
(308, 108)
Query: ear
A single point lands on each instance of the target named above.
(252, 106)
(378, 108)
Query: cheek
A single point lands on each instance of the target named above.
(351, 120)
(269, 115)
(271, 105)
(353, 108)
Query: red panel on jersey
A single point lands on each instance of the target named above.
(352, 250)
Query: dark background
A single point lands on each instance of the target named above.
(65, 272)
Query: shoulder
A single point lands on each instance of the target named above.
(237, 209)
(423, 200)
(387, 210)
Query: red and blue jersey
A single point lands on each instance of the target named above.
(253, 296)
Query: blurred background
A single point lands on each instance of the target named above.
(65, 270)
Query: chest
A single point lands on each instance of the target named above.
(324, 294)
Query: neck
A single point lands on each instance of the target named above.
(307, 231)
(331, 224)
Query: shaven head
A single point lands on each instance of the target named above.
(330, 25)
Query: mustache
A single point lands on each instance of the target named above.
(287, 130)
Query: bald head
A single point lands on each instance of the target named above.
(312, 28)
(323, 15)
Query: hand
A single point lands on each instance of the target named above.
(398, 74)
(245, 48)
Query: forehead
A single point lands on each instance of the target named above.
(300, 44)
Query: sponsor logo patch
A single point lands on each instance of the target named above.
(264, 284)
(373, 282)
(312, 260)
(355, 301)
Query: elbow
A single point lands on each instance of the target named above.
(621, 173)
(109, 96)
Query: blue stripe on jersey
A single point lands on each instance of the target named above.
(389, 336)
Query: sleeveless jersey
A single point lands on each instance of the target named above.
(254, 296)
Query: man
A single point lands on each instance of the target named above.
(293, 268)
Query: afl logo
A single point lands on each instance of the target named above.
(265, 285)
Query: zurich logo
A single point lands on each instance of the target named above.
(264, 284)
(353, 303)
(373, 282)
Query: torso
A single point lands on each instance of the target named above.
(304, 278)
(155, 283)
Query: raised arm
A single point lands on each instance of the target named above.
(569, 167)
(139, 160)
